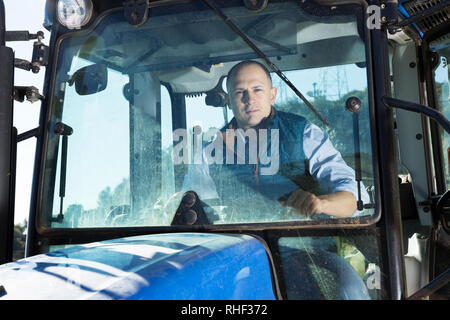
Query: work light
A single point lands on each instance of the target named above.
(74, 14)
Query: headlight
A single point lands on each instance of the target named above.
(74, 14)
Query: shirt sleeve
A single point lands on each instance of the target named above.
(328, 167)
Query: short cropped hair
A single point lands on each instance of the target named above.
(233, 71)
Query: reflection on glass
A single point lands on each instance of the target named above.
(332, 268)
(443, 99)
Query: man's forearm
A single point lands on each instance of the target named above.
(341, 204)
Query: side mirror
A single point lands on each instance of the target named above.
(90, 79)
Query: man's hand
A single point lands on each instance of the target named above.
(341, 204)
(305, 202)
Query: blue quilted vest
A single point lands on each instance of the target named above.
(245, 181)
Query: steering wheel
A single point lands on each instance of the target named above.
(191, 211)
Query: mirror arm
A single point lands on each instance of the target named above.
(29, 134)
(22, 35)
(419, 108)
(30, 93)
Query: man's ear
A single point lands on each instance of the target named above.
(273, 95)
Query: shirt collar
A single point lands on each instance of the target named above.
(264, 124)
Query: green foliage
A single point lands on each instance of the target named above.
(76, 215)
(105, 198)
(340, 129)
(119, 196)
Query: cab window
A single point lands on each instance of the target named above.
(149, 110)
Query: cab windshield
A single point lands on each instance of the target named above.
(144, 130)
(441, 46)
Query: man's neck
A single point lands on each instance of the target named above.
(263, 124)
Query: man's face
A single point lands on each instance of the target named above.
(251, 96)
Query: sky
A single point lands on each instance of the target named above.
(25, 15)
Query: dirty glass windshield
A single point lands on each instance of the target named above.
(149, 129)
(442, 83)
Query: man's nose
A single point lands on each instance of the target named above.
(247, 96)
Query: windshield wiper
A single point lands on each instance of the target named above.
(252, 31)
(213, 5)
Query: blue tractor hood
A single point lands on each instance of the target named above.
(162, 266)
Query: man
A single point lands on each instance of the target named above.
(306, 154)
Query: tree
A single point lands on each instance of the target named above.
(121, 194)
(73, 215)
(105, 198)
(340, 129)
(19, 240)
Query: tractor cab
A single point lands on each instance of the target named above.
(144, 172)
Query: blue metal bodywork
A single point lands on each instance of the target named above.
(163, 266)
